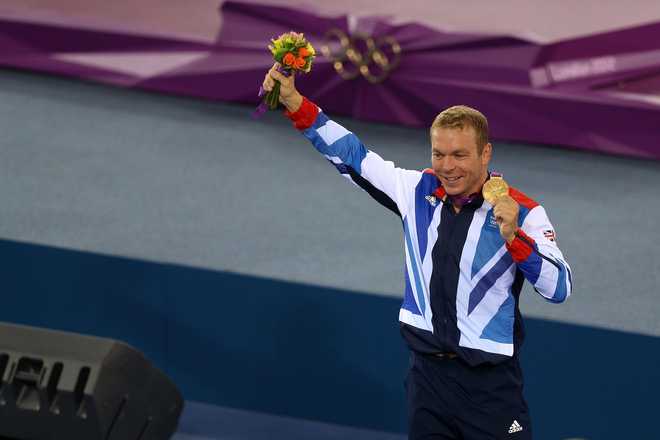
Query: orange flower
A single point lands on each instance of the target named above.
(300, 63)
(303, 52)
(289, 59)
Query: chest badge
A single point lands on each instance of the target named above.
(491, 222)
(432, 200)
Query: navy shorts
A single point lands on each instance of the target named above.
(448, 399)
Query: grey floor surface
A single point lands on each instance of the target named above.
(169, 179)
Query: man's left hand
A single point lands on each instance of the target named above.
(506, 214)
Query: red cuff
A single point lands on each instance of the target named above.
(305, 116)
(521, 247)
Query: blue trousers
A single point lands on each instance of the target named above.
(449, 400)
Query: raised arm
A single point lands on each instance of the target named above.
(389, 185)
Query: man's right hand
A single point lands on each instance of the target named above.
(289, 96)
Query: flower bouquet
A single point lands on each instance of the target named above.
(294, 55)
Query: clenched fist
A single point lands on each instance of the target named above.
(289, 96)
(506, 214)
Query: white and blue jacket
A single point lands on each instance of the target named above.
(462, 280)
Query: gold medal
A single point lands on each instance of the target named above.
(494, 188)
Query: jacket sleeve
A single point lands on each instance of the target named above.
(535, 251)
(389, 185)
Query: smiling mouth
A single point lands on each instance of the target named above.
(451, 179)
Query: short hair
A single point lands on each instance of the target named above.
(461, 116)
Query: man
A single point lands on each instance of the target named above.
(466, 261)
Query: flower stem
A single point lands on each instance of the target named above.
(274, 96)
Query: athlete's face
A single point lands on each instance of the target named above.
(456, 160)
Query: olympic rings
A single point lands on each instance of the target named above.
(361, 60)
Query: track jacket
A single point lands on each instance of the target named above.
(462, 280)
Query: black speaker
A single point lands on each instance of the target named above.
(65, 386)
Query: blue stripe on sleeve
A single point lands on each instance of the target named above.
(320, 121)
(343, 144)
(531, 267)
(560, 291)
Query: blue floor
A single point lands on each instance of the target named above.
(201, 421)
